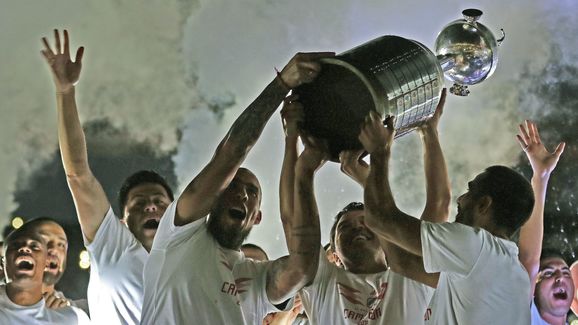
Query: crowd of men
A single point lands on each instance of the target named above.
(181, 260)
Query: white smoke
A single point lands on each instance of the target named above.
(133, 75)
(159, 69)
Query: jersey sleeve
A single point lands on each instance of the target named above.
(110, 242)
(450, 247)
(170, 235)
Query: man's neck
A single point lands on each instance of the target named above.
(365, 265)
(553, 319)
(24, 296)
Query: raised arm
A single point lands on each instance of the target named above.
(438, 189)
(292, 115)
(289, 274)
(543, 163)
(381, 212)
(201, 193)
(89, 197)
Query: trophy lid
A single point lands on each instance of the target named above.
(467, 51)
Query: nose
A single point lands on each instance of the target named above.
(24, 249)
(150, 207)
(242, 194)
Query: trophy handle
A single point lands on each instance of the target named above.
(499, 41)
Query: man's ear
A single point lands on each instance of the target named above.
(484, 204)
(337, 260)
(258, 218)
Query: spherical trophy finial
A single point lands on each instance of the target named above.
(472, 15)
(467, 51)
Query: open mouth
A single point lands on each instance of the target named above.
(360, 237)
(24, 264)
(53, 266)
(151, 224)
(560, 294)
(237, 214)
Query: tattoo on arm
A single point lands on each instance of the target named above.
(248, 127)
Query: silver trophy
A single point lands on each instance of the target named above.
(396, 76)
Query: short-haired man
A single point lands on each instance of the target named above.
(117, 252)
(361, 288)
(469, 252)
(57, 250)
(195, 272)
(554, 291)
(21, 300)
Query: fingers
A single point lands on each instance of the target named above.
(559, 149)
(521, 141)
(440, 108)
(534, 132)
(79, 54)
(47, 46)
(46, 55)
(524, 134)
(66, 44)
(57, 39)
(389, 120)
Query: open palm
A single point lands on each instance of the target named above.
(543, 162)
(64, 72)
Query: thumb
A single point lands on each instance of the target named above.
(559, 149)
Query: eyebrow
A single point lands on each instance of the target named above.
(565, 268)
(59, 237)
(145, 195)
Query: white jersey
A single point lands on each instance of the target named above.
(191, 279)
(38, 314)
(115, 289)
(481, 281)
(337, 296)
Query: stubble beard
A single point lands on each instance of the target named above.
(230, 237)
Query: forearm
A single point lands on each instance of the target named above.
(71, 136)
(382, 214)
(286, 184)
(202, 192)
(291, 273)
(249, 125)
(438, 189)
(532, 232)
(378, 199)
(305, 237)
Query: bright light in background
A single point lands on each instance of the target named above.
(17, 222)
(84, 260)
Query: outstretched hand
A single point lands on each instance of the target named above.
(377, 135)
(303, 68)
(292, 115)
(543, 162)
(64, 72)
(433, 122)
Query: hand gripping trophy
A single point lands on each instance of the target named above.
(396, 76)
